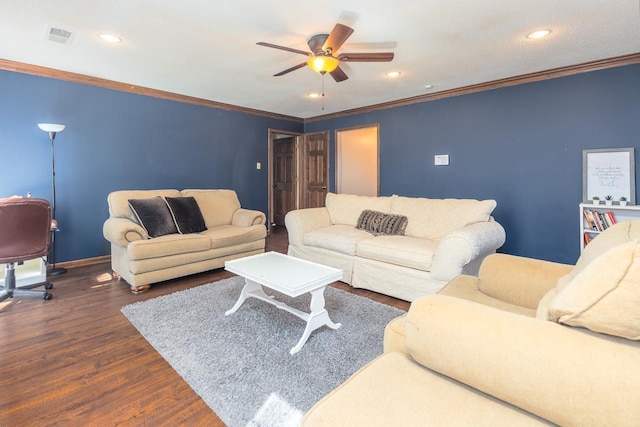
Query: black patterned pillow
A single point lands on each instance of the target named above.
(378, 223)
(153, 215)
(186, 214)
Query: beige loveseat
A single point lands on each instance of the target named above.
(443, 238)
(510, 348)
(232, 232)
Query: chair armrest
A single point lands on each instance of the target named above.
(301, 221)
(122, 231)
(247, 218)
(464, 245)
(566, 375)
(519, 280)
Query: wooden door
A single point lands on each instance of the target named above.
(284, 178)
(314, 170)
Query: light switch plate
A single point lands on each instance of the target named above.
(441, 160)
(258, 165)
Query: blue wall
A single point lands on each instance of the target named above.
(115, 140)
(520, 145)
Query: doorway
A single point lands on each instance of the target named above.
(298, 172)
(358, 160)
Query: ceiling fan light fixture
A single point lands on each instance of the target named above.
(323, 63)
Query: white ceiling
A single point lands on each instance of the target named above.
(207, 48)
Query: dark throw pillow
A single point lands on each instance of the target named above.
(378, 223)
(186, 214)
(154, 215)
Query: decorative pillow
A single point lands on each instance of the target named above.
(605, 296)
(153, 215)
(186, 214)
(378, 223)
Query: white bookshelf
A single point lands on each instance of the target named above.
(29, 273)
(621, 213)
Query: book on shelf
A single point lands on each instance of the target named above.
(599, 221)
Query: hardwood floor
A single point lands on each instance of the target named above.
(76, 360)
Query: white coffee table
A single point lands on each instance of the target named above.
(290, 276)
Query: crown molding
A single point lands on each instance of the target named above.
(495, 84)
(37, 70)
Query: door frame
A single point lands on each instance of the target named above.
(337, 151)
(271, 137)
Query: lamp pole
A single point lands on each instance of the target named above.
(52, 136)
(52, 129)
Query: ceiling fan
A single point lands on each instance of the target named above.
(324, 58)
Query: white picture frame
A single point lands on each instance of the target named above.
(609, 171)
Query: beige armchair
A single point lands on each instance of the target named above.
(526, 342)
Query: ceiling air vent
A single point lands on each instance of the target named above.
(58, 35)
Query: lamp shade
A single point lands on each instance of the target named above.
(323, 63)
(51, 127)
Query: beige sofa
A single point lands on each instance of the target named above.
(443, 238)
(527, 342)
(232, 232)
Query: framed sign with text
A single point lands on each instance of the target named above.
(609, 172)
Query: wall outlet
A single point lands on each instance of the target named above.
(441, 160)
(258, 165)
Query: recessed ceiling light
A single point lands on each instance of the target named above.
(428, 86)
(538, 34)
(393, 74)
(110, 38)
(314, 95)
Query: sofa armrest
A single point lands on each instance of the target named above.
(122, 231)
(519, 280)
(247, 218)
(463, 246)
(567, 375)
(301, 221)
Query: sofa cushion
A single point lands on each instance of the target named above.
(186, 214)
(229, 235)
(605, 296)
(171, 244)
(400, 250)
(217, 206)
(153, 215)
(378, 223)
(118, 201)
(619, 233)
(339, 238)
(435, 218)
(346, 208)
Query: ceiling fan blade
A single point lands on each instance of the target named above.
(338, 36)
(288, 49)
(366, 57)
(288, 70)
(338, 75)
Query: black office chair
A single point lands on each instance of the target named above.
(25, 229)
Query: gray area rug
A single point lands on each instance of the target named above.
(240, 364)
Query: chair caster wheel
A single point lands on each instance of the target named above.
(47, 296)
(48, 285)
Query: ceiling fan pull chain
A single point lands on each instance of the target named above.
(323, 91)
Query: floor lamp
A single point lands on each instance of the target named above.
(53, 129)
